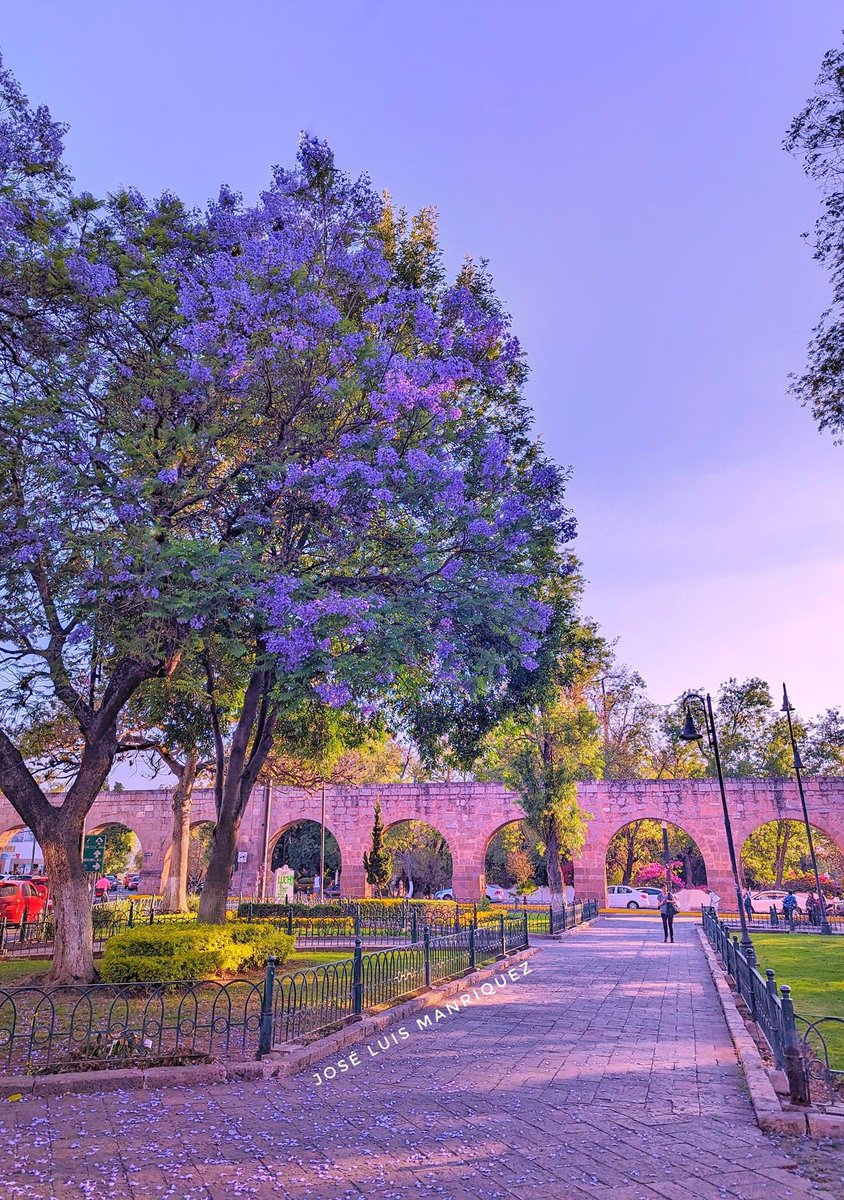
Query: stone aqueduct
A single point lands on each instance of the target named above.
(468, 815)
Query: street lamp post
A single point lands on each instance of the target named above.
(692, 734)
(798, 771)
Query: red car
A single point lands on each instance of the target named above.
(20, 902)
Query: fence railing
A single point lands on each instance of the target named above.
(777, 922)
(31, 939)
(311, 1001)
(81, 1028)
(799, 1054)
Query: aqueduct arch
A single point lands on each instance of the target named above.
(468, 815)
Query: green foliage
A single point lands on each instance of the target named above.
(778, 851)
(120, 846)
(639, 843)
(281, 910)
(377, 862)
(170, 951)
(259, 941)
(419, 855)
(542, 750)
(817, 135)
(299, 848)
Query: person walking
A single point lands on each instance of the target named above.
(668, 910)
(812, 907)
(748, 904)
(714, 900)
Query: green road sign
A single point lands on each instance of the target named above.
(93, 852)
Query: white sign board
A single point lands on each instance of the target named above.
(284, 880)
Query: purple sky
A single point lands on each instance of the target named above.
(620, 164)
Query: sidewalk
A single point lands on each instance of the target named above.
(606, 1073)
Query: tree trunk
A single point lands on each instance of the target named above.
(73, 955)
(552, 867)
(215, 889)
(175, 897)
(250, 745)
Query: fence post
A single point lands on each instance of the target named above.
(265, 1042)
(503, 935)
(22, 929)
(249, 914)
(550, 918)
(795, 1068)
(525, 924)
(357, 979)
(475, 912)
(289, 919)
(131, 914)
(414, 929)
(472, 957)
(356, 919)
(2, 934)
(456, 918)
(426, 945)
(152, 914)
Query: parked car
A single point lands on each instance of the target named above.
(763, 901)
(132, 881)
(444, 894)
(20, 902)
(622, 896)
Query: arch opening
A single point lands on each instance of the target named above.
(298, 846)
(199, 854)
(20, 853)
(514, 860)
(123, 854)
(420, 859)
(635, 857)
(776, 856)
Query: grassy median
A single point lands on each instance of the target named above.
(813, 967)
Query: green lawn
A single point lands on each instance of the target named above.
(16, 972)
(23, 971)
(813, 966)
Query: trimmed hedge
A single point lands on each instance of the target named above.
(265, 909)
(167, 952)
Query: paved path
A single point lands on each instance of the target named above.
(605, 1073)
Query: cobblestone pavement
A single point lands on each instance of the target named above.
(607, 1072)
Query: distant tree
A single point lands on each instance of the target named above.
(377, 862)
(420, 856)
(119, 843)
(543, 750)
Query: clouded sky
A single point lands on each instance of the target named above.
(620, 165)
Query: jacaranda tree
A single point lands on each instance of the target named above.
(271, 438)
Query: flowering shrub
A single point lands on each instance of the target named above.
(653, 875)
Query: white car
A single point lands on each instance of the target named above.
(763, 901)
(622, 896)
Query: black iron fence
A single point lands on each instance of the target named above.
(375, 923)
(34, 939)
(772, 921)
(110, 1025)
(83, 1028)
(799, 1046)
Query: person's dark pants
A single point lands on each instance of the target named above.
(667, 926)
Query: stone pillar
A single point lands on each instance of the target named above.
(353, 880)
(468, 879)
(590, 873)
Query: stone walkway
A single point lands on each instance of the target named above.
(606, 1073)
